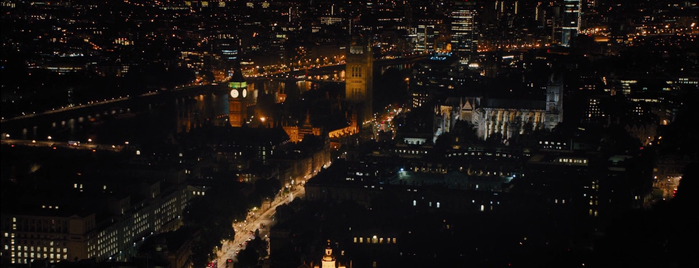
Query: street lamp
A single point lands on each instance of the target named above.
(49, 137)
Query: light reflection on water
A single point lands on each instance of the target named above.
(178, 115)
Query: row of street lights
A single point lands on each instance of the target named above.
(50, 138)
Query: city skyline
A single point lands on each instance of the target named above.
(378, 133)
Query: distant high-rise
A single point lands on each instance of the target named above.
(426, 34)
(463, 29)
(571, 21)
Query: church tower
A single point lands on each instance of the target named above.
(237, 99)
(359, 70)
(554, 101)
(328, 260)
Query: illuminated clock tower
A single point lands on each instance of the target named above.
(237, 99)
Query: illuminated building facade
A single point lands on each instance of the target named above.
(297, 133)
(507, 117)
(26, 238)
(67, 232)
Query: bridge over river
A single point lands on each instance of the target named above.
(38, 126)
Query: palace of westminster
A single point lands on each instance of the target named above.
(508, 117)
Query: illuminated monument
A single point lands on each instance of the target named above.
(237, 99)
(359, 78)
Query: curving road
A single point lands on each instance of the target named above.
(262, 215)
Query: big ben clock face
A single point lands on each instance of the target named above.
(245, 93)
(234, 93)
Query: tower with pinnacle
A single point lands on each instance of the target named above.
(237, 99)
(359, 77)
(554, 101)
(328, 260)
